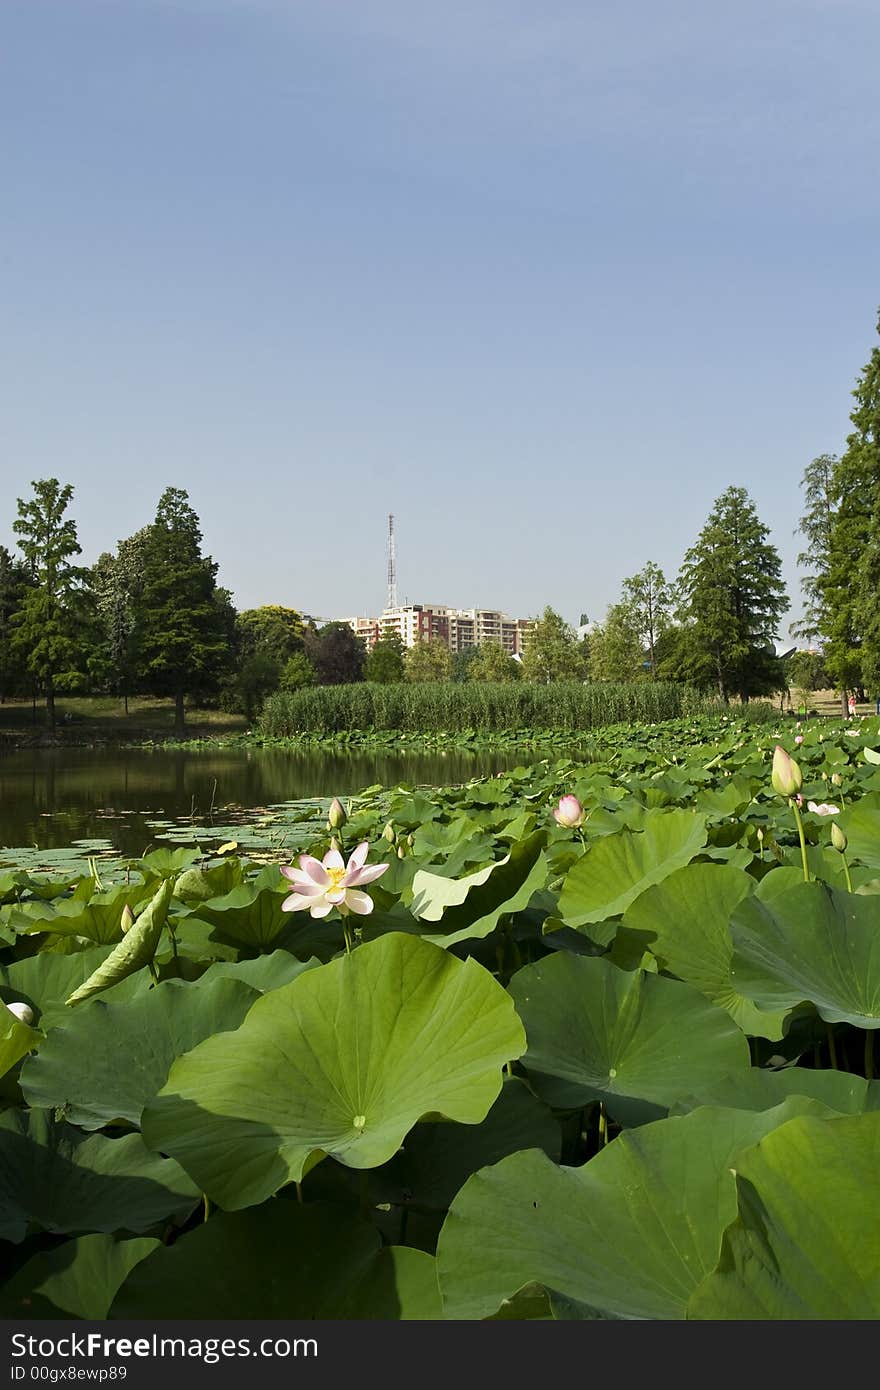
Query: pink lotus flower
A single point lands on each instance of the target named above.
(823, 808)
(569, 812)
(322, 885)
(798, 738)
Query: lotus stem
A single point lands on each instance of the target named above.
(206, 1205)
(800, 830)
(603, 1123)
(832, 1050)
(849, 887)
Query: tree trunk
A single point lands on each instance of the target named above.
(844, 706)
(50, 707)
(179, 714)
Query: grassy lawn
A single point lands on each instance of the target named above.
(105, 715)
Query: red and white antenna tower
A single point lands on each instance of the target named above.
(392, 565)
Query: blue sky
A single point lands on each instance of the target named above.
(543, 279)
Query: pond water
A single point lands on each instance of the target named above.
(53, 797)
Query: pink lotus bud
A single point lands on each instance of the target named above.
(786, 775)
(569, 812)
(127, 919)
(23, 1012)
(838, 839)
(798, 738)
(836, 779)
(336, 816)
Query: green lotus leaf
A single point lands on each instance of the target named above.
(759, 1089)
(55, 1177)
(616, 869)
(249, 915)
(98, 919)
(134, 951)
(108, 1060)
(630, 1234)
(806, 1240)
(262, 973)
(198, 885)
(17, 1039)
(46, 980)
(860, 823)
(344, 1060)
(470, 907)
(282, 1260)
(78, 1278)
(634, 1040)
(685, 921)
(811, 943)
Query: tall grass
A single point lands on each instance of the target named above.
(459, 707)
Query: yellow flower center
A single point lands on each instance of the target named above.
(335, 876)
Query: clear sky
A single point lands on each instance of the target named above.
(542, 277)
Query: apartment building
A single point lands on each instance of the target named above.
(459, 628)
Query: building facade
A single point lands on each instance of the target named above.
(458, 628)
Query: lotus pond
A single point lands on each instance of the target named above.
(612, 1063)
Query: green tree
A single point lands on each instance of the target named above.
(272, 631)
(51, 626)
(806, 671)
(649, 601)
(616, 652)
(298, 672)
(817, 527)
(184, 627)
(552, 651)
(732, 598)
(336, 653)
(861, 462)
(117, 585)
(14, 580)
(493, 663)
(429, 660)
(385, 661)
(462, 661)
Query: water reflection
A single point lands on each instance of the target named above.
(49, 797)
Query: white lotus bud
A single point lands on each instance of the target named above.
(23, 1012)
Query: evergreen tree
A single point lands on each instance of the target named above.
(50, 628)
(817, 527)
(183, 636)
(14, 580)
(732, 597)
(117, 582)
(552, 651)
(862, 464)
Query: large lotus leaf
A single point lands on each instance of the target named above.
(198, 885)
(759, 1089)
(811, 943)
(861, 825)
(437, 1157)
(344, 1060)
(630, 1234)
(45, 981)
(262, 973)
(471, 907)
(806, 1241)
(110, 1059)
(78, 1278)
(250, 915)
(134, 951)
(615, 870)
(634, 1040)
(685, 921)
(55, 1177)
(456, 845)
(730, 799)
(282, 1260)
(17, 1039)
